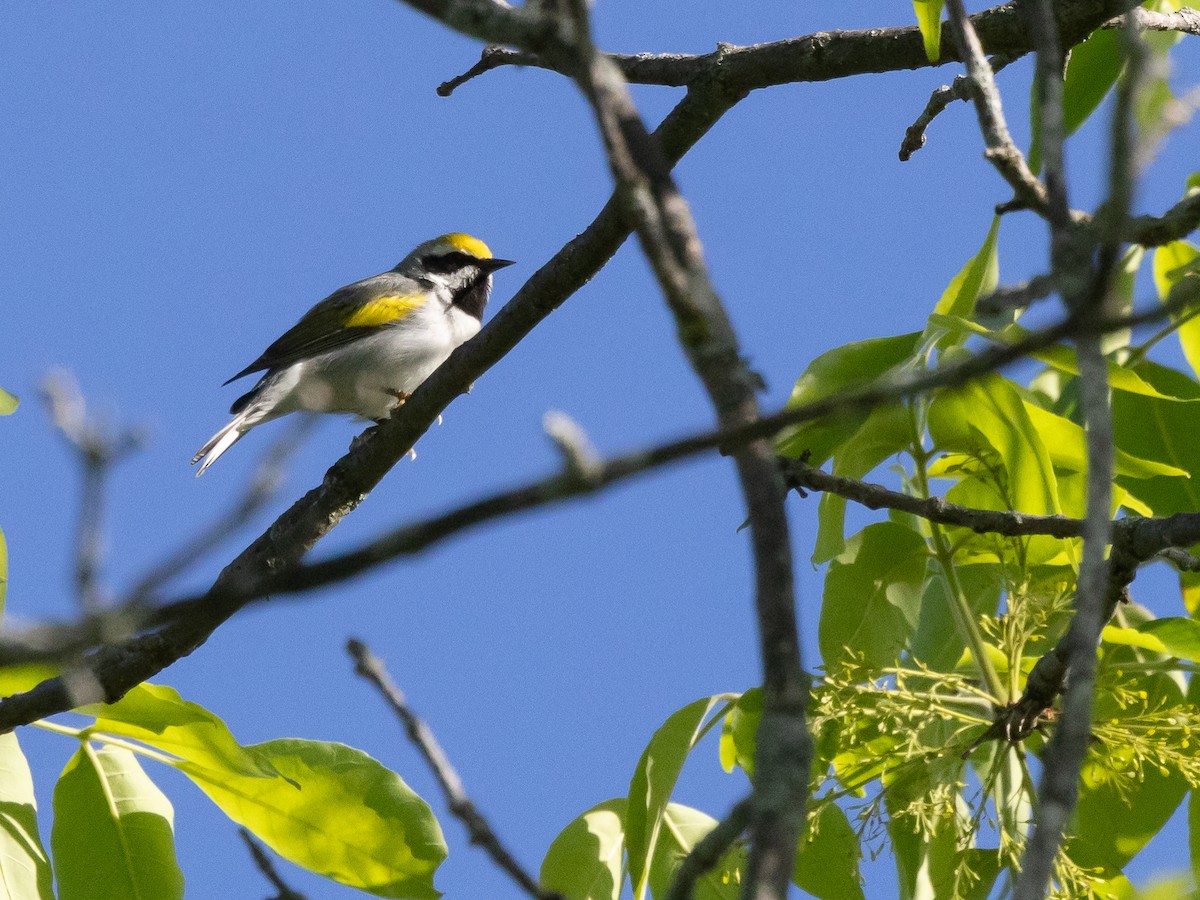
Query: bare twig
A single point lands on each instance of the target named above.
(1001, 150)
(579, 455)
(262, 488)
(1185, 20)
(668, 236)
(98, 448)
(267, 867)
(54, 642)
(1017, 296)
(492, 57)
(372, 669)
(716, 83)
(708, 852)
(800, 475)
(962, 88)
(1084, 287)
(1180, 559)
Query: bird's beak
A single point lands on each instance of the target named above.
(491, 265)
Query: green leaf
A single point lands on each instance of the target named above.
(24, 867)
(655, 777)
(1173, 263)
(584, 861)
(872, 595)
(156, 715)
(937, 641)
(8, 402)
(739, 731)
(929, 20)
(335, 811)
(1067, 445)
(1179, 636)
(1091, 73)
(980, 275)
(828, 855)
(113, 834)
(683, 828)
(1194, 833)
(885, 432)
(853, 365)
(1161, 430)
(988, 414)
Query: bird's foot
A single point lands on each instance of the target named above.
(401, 397)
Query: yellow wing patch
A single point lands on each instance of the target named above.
(467, 244)
(385, 310)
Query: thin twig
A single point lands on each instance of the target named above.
(668, 236)
(372, 669)
(717, 83)
(267, 867)
(263, 487)
(492, 57)
(1017, 296)
(708, 852)
(98, 447)
(1084, 286)
(1185, 20)
(1001, 151)
(56, 641)
(961, 88)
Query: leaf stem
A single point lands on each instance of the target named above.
(960, 607)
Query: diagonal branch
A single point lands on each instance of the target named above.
(369, 666)
(56, 642)
(714, 86)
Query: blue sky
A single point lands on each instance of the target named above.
(182, 181)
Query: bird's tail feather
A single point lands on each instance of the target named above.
(219, 443)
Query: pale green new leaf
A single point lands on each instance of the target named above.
(872, 595)
(929, 20)
(156, 715)
(937, 641)
(840, 369)
(584, 861)
(8, 402)
(683, 828)
(1060, 358)
(654, 779)
(828, 856)
(335, 811)
(113, 835)
(1179, 636)
(739, 732)
(24, 866)
(1173, 263)
(980, 275)
(988, 414)
(1162, 430)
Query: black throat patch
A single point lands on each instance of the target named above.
(472, 298)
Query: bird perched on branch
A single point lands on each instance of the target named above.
(364, 349)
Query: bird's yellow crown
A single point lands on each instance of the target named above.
(466, 244)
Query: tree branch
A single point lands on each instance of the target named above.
(816, 57)
(708, 852)
(57, 642)
(372, 669)
(1001, 151)
(962, 88)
